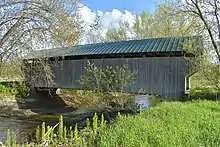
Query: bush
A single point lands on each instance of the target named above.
(203, 93)
(7, 90)
(107, 79)
(13, 89)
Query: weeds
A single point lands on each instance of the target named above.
(59, 135)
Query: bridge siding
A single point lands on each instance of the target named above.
(156, 75)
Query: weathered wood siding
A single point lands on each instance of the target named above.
(155, 75)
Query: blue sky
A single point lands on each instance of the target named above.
(113, 12)
(134, 6)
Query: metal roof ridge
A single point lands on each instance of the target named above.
(100, 43)
(122, 41)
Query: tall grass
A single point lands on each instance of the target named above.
(168, 125)
(172, 124)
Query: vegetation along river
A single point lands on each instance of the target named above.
(22, 118)
(24, 128)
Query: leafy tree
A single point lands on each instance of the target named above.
(94, 34)
(166, 21)
(144, 25)
(207, 60)
(118, 34)
(29, 25)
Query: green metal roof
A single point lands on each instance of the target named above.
(152, 45)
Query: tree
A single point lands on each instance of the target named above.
(166, 21)
(118, 34)
(29, 25)
(94, 34)
(207, 12)
(169, 22)
(144, 25)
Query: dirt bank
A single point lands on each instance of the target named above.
(11, 108)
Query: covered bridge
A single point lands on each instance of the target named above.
(162, 68)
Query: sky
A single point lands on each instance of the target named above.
(134, 6)
(112, 12)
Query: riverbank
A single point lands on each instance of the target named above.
(67, 101)
(11, 108)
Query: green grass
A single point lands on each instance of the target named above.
(167, 125)
(203, 93)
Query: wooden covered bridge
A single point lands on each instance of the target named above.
(162, 68)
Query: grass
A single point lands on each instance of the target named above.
(169, 124)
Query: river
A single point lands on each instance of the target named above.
(22, 128)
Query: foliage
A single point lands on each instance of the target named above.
(37, 135)
(203, 93)
(11, 70)
(169, 124)
(94, 35)
(8, 142)
(95, 124)
(13, 139)
(108, 84)
(67, 137)
(166, 21)
(118, 34)
(97, 100)
(8, 91)
(25, 22)
(30, 25)
(23, 90)
(107, 79)
(197, 80)
(13, 89)
(60, 131)
(43, 129)
(208, 53)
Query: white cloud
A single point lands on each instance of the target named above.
(87, 15)
(107, 19)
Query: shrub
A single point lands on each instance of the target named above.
(107, 79)
(5, 90)
(202, 93)
(14, 89)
